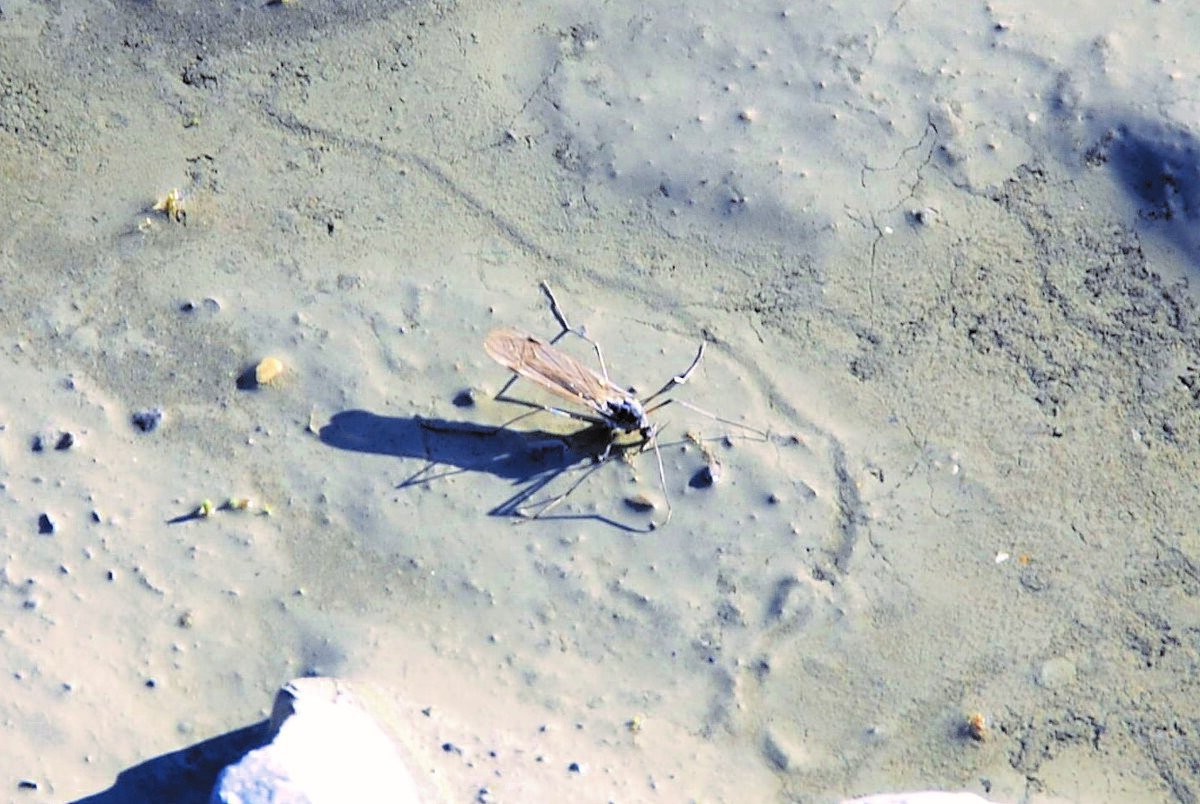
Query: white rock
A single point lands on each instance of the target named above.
(326, 750)
(927, 797)
(1057, 673)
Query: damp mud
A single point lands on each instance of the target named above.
(932, 485)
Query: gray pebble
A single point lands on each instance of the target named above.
(147, 420)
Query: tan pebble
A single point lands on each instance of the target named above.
(268, 369)
(640, 502)
(977, 727)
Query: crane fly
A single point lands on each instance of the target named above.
(542, 364)
(610, 409)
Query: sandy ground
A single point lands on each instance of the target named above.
(942, 255)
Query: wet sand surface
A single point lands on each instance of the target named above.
(942, 262)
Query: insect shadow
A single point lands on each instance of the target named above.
(532, 460)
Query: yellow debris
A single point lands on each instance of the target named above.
(171, 205)
(268, 369)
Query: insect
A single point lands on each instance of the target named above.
(611, 410)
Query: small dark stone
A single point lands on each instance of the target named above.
(187, 307)
(45, 526)
(151, 683)
(38, 444)
(147, 420)
(465, 398)
(703, 479)
(65, 442)
(95, 516)
(575, 768)
(27, 784)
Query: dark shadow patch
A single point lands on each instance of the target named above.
(185, 776)
(532, 460)
(248, 379)
(1159, 166)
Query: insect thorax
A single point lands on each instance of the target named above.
(627, 415)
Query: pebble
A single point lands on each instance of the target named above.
(706, 477)
(325, 748)
(209, 305)
(640, 503)
(926, 216)
(268, 370)
(777, 753)
(38, 444)
(45, 526)
(147, 420)
(65, 442)
(465, 398)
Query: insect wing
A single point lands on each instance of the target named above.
(552, 369)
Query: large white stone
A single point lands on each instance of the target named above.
(926, 797)
(326, 750)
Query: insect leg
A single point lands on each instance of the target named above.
(555, 310)
(662, 477)
(678, 379)
(562, 322)
(538, 408)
